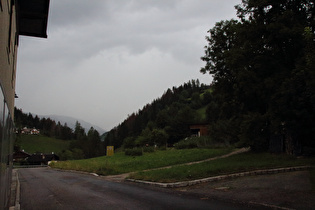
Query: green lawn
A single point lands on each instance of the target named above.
(233, 164)
(120, 163)
(39, 143)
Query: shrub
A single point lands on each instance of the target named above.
(133, 152)
(129, 143)
(185, 144)
(159, 137)
(148, 149)
(199, 142)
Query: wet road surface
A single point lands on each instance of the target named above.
(45, 188)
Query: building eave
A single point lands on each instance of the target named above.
(33, 17)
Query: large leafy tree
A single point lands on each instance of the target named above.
(262, 74)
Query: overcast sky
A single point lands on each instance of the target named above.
(105, 59)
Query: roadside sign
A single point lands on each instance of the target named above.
(110, 151)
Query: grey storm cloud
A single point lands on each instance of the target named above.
(105, 59)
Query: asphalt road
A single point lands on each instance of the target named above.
(45, 188)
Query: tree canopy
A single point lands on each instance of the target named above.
(263, 71)
(164, 121)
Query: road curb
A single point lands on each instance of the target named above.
(15, 191)
(221, 177)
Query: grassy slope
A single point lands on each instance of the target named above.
(120, 163)
(238, 163)
(39, 143)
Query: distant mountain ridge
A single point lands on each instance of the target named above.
(71, 121)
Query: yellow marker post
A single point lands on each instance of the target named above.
(110, 151)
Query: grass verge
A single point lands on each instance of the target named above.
(237, 163)
(120, 163)
(39, 143)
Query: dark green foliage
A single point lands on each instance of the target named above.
(144, 139)
(47, 126)
(79, 131)
(263, 69)
(148, 149)
(200, 142)
(82, 145)
(254, 132)
(169, 116)
(186, 144)
(129, 143)
(93, 147)
(90, 144)
(207, 98)
(159, 137)
(133, 152)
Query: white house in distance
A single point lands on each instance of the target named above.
(32, 131)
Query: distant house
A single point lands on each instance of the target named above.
(32, 131)
(41, 159)
(35, 131)
(199, 130)
(25, 130)
(20, 155)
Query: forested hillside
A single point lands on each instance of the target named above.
(166, 119)
(262, 95)
(82, 144)
(47, 126)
